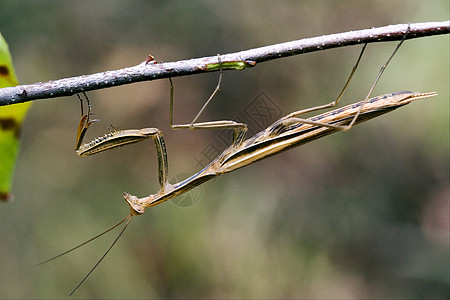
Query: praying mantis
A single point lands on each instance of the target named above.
(288, 132)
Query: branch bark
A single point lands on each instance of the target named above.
(151, 70)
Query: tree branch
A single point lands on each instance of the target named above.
(151, 70)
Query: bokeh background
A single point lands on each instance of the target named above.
(363, 214)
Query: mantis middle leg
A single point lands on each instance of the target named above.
(239, 129)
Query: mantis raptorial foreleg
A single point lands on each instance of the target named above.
(116, 138)
(85, 121)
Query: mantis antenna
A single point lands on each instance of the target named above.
(288, 132)
(127, 218)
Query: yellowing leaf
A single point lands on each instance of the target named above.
(11, 118)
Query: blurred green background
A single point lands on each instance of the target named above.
(363, 214)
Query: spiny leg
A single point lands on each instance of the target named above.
(116, 138)
(239, 129)
(334, 103)
(85, 121)
(112, 140)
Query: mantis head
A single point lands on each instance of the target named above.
(137, 205)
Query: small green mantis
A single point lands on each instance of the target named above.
(288, 132)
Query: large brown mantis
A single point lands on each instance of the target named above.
(288, 132)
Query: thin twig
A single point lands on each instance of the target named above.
(150, 70)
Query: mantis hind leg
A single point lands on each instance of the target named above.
(335, 102)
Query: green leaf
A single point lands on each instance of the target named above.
(11, 119)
